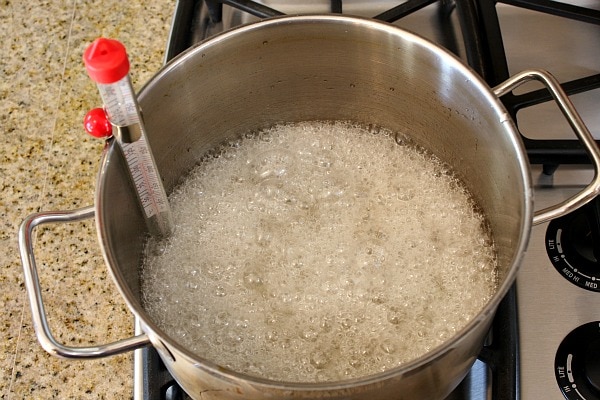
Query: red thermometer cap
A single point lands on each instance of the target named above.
(106, 61)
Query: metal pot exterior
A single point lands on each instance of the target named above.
(434, 379)
(322, 68)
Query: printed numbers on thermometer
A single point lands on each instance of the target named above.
(145, 178)
(120, 104)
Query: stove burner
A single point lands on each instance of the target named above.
(573, 245)
(509, 367)
(577, 363)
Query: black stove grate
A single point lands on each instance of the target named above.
(485, 51)
(483, 44)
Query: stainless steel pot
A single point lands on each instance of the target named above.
(317, 68)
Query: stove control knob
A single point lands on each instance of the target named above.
(591, 364)
(577, 363)
(573, 245)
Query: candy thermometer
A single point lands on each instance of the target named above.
(107, 64)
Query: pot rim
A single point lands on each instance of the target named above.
(158, 337)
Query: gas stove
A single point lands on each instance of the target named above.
(545, 340)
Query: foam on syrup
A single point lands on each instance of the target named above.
(319, 252)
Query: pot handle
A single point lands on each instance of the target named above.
(583, 134)
(32, 284)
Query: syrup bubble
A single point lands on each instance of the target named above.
(272, 163)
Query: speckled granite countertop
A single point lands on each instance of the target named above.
(48, 163)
